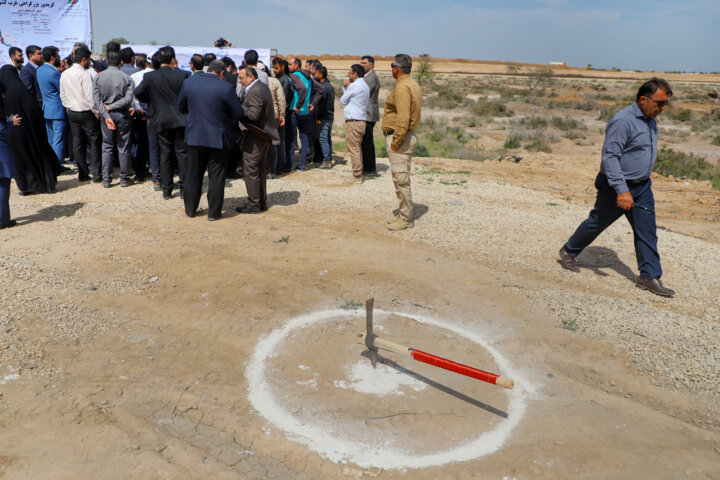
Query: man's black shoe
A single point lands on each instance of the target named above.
(655, 286)
(212, 219)
(567, 261)
(96, 180)
(106, 184)
(10, 224)
(247, 210)
(126, 182)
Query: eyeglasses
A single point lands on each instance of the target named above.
(393, 65)
(659, 103)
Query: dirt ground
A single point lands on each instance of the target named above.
(129, 328)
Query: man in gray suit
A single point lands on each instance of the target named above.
(260, 129)
(373, 115)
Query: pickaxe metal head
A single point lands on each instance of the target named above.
(370, 336)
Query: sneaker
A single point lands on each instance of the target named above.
(126, 182)
(156, 186)
(400, 224)
(326, 165)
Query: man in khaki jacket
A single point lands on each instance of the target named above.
(399, 122)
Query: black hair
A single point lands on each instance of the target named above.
(368, 58)
(113, 59)
(228, 62)
(69, 61)
(209, 57)
(31, 49)
(251, 71)
(251, 57)
(298, 62)
(197, 62)
(126, 55)
(277, 60)
(166, 54)
(141, 61)
(358, 69)
(316, 64)
(80, 53)
(652, 86)
(13, 50)
(322, 71)
(286, 67)
(49, 52)
(155, 60)
(112, 47)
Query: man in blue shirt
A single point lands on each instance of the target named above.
(624, 186)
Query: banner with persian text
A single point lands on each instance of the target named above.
(183, 54)
(61, 23)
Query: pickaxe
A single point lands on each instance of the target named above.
(373, 342)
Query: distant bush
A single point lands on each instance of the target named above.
(539, 144)
(680, 115)
(489, 108)
(606, 113)
(513, 141)
(446, 98)
(716, 140)
(533, 122)
(420, 150)
(686, 165)
(565, 123)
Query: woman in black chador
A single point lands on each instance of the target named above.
(36, 163)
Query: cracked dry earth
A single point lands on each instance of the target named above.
(126, 329)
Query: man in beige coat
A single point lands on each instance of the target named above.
(279, 105)
(399, 122)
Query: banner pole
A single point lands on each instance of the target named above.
(92, 30)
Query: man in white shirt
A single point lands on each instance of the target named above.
(356, 95)
(76, 94)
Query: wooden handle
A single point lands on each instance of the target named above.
(505, 382)
(388, 345)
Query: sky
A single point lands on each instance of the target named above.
(654, 35)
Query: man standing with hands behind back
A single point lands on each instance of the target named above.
(624, 186)
(373, 114)
(399, 122)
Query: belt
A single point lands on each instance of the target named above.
(637, 181)
(387, 133)
(351, 120)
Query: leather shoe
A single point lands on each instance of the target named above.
(247, 210)
(11, 223)
(655, 286)
(567, 261)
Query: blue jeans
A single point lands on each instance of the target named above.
(606, 211)
(299, 124)
(325, 139)
(56, 136)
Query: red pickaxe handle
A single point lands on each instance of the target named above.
(443, 363)
(466, 370)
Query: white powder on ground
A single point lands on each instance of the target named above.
(380, 381)
(7, 378)
(321, 439)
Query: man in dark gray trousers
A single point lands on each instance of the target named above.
(373, 115)
(113, 96)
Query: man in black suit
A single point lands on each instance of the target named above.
(28, 73)
(212, 107)
(160, 90)
(260, 130)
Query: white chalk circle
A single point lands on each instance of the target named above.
(362, 454)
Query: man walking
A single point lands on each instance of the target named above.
(355, 99)
(48, 81)
(160, 89)
(76, 94)
(212, 107)
(259, 120)
(399, 122)
(624, 186)
(373, 114)
(113, 96)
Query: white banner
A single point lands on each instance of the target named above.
(183, 54)
(61, 23)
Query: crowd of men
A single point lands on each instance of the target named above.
(152, 119)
